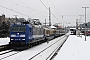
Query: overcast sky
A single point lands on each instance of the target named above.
(69, 9)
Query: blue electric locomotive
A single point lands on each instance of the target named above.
(25, 34)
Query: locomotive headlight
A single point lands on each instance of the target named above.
(12, 39)
(13, 35)
(23, 39)
(22, 35)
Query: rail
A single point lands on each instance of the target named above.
(45, 55)
(4, 47)
(8, 53)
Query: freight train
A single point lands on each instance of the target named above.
(26, 34)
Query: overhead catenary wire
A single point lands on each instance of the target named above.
(37, 11)
(58, 11)
(32, 8)
(26, 5)
(55, 8)
(13, 10)
(42, 11)
(48, 9)
(44, 4)
(21, 6)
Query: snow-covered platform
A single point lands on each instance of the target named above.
(75, 48)
(4, 41)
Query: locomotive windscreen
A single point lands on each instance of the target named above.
(18, 28)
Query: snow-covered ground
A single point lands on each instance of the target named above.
(75, 48)
(27, 54)
(4, 41)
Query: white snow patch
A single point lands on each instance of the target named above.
(75, 48)
(4, 41)
(26, 54)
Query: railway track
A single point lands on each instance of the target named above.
(4, 47)
(51, 54)
(8, 53)
(52, 48)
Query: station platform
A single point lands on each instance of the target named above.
(75, 48)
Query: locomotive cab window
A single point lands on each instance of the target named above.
(18, 29)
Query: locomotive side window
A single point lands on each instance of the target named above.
(34, 31)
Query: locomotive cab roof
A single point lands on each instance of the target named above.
(22, 24)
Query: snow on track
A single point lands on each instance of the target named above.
(6, 55)
(26, 54)
(4, 51)
(48, 52)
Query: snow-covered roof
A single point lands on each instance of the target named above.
(72, 28)
(53, 27)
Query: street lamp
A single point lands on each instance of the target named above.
(85, 21)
